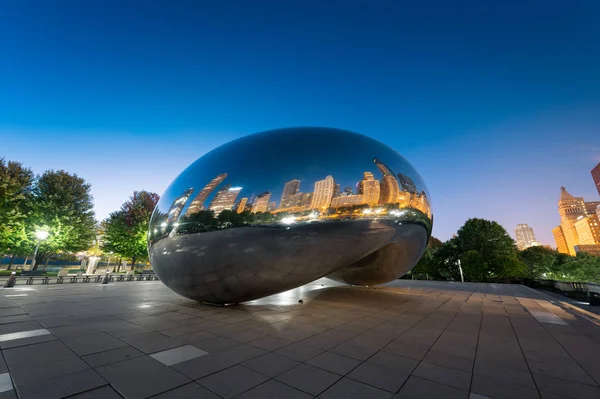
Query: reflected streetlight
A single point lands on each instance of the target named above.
(41, 235)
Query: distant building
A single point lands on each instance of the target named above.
(570, 210)
(588, 230)
(323, 193)
(336, 191)
(198, 202)
(348, 190)
(177, 205)
(289, 189)
(370, 189)
(589, 249)
(262, 202)
(242, 205)
(389, 189)
(347, 200)
(224, 199)
(272, 206)
(525, 236)
(591, 207)
(559, 238)
(407, 183)
(596, 177)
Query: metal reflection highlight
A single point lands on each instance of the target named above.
(275, 210)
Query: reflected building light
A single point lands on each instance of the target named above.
(262, 202)
(290, 189)
(198, 202)
(224, 199)
(288, 220)
(347, 200)
(407, 183)
(242, 205)
(367, 211)
(369, 188)
(178, 204)
(323, 193)
(390, 189)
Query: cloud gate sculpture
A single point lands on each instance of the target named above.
(275, 210)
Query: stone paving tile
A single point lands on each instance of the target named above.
(374, 338)
(188, 391)
(232, 381)
(89, 344)
(216, 344)
(380, 377)
(299, 351)
(513, 376)
(309, 379)
(347, 388)
(417, 388)
(112, 356)
(274, 390)
(494, 388)
(333, 362)
(270, 364)
(38, 354)
(211, 363)
(105, 392)
(152, 342)
(29, 375)
(566, 388)
(443, 375)
(446, 360)
(62, 386)
(141, 377)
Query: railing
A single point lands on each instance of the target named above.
(80, 278)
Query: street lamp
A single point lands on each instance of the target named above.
(41, 235)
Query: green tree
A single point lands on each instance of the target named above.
(428, 264)
(541, 262)
(125, 230)
(63, 206)
(487, 251)
(15, 205)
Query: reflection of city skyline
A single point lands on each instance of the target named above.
(390, 189)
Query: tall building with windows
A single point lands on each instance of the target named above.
(559, 237)
(588, 230)
(289, 189)
(323, 193)
(407, 183)
(570, 210)
(525, 236)
(347, 200)
(369, 188)
(242, 205)
(389, 189)
(262, 202)
(596, 177)
(177, 205)
(591, 207)
(198, 201)
(224, 199)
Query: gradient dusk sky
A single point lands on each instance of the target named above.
(496, 103)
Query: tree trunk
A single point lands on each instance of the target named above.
(12, 259)
(133, 263)
(46, 263)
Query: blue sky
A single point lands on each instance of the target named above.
(497, 104)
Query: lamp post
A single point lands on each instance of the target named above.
(41, 235)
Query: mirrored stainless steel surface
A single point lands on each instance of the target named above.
(278, 209)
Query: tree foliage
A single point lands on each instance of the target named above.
(125, 230)
(15, 205)
(63, 206)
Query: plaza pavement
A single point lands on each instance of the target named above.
(407, 339)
